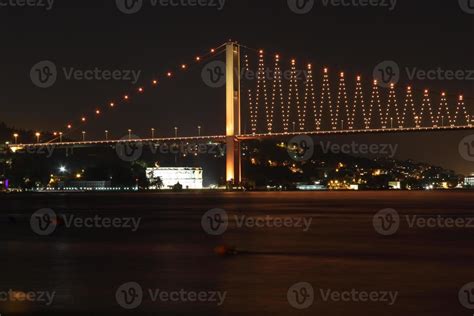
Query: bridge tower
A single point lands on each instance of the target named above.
(233, 154)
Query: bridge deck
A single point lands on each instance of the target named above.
(221, 138)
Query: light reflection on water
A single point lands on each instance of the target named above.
(171, 251)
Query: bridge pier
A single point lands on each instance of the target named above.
(233, 160)
(233, 154)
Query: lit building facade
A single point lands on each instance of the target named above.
(469, 181)
(189, 178)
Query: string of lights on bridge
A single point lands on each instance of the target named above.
(389, 116)
(127, 97)
(342, 116)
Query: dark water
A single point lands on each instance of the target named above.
(170, 251)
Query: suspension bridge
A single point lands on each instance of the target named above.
(283, 102)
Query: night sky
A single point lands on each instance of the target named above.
(85, 34)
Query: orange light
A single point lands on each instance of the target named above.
(443, 94)
(83, 119)
(198, 58)
(183, 66)
(69, 126)
(261, 51)
(426, 91)
(342, 75)
(461, 98)
(409, 88)
(392, 85)
(140, 90)
(126, 97)
(112, 104)
(293, 61)
(97, 112)
(358, 78)
(169, 74)
(325, 70)
(213, 50)
(309, 66)
(375, 82)
(55, 134)
(277, 56)
(155, 82)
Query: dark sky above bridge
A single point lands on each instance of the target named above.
(89, 34)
